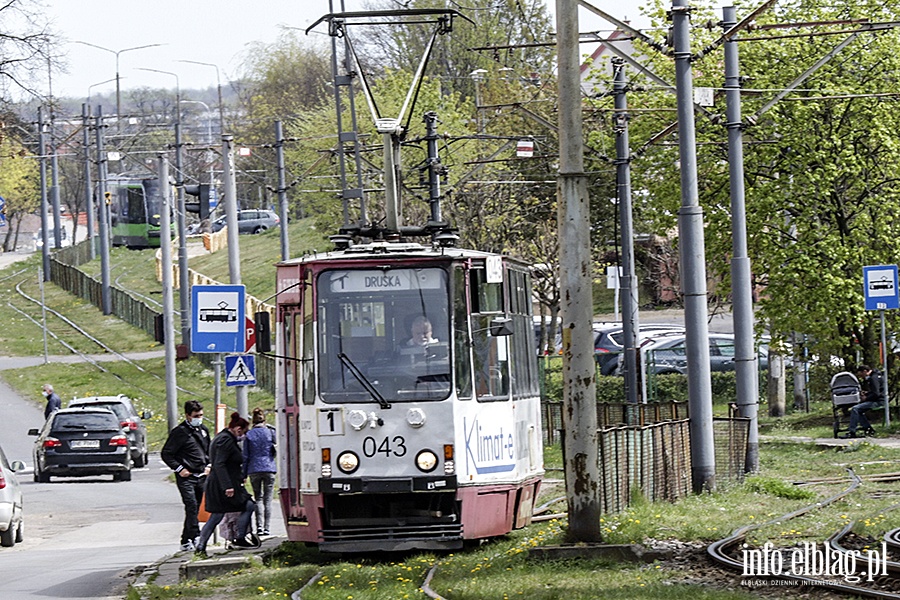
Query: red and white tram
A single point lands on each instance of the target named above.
(392, 445)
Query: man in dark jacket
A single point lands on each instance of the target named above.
(186, 452)
(225, 491)
(873, 397)
(53, 401)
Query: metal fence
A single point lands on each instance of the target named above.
(611, 414)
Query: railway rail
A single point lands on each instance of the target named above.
(842, 579)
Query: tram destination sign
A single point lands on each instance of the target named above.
(217, 318)
(371, 280)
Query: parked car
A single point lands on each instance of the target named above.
(129, 419)
(11, 513)
(250, 221)
(609, 342)
(80, 442)
(38, 238)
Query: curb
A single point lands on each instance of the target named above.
(181, 566)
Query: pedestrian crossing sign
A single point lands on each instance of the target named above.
(240, 369)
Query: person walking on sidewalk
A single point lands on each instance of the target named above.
(53, 401)
(873, 397)
(186, 452)
(225, 491)
(259, 465)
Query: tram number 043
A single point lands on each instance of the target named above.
(389, 446)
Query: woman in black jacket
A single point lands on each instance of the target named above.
(225, 491)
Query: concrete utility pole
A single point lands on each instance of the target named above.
(42, 165)
(745, 359)
(693, 263)
(282, 191)
(88, 192)
(580, 448)
(105, 295)
(628, 288)
(165, 246)
(234, 249)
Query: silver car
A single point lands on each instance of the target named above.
(250, 221)
(11, 514)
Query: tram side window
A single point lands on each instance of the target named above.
(524, 368)
(307, 369)
(290, 350)
(490, 355)
(461, 335)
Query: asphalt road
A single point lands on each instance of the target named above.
(82, 535)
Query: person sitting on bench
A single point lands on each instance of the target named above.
(872, 397)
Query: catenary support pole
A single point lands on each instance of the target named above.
(234, 249)
(103, 199)
(282, 191)
(580, 445)
(165, 247)
(628, 289)
(745, 358)
(692, 256)
(54, 193)
(42, 166)
(88, 191)
(184, 282)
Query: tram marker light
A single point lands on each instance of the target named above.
(448, 451)
(326, 462)
(426, 461)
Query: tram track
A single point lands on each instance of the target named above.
(84, 333)
(722, 552)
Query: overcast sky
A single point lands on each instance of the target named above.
(210, 31)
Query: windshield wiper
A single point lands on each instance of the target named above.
(354, 370)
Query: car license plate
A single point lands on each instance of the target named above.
(85, 443)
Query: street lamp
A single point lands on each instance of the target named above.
(209, 139)
(177, 90)
(218, 88)
(93, 85)
(117, 53)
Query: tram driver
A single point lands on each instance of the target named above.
(421, 332)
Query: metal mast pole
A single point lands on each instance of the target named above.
(88, 192)
(628, 281)
(580, 449)
(745, 359)
(54, 192)
(165, 246)
(105, 297)
(282, 191)
(184, 284)
(42, 165)
(693, 264)
(234, 249)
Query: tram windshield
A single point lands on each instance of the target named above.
(389, 325)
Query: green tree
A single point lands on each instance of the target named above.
(19, 186)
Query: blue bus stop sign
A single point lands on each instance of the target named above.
(880, 287)
(217, 318)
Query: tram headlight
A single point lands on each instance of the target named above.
(357, 419)
(426, 461)
(415, 417)
(348, 462)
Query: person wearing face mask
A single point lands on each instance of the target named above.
(53, 401)
(186, 452)
(225, 491)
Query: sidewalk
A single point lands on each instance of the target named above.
(15, 362)
(182, 566)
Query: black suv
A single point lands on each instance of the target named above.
(80, 442)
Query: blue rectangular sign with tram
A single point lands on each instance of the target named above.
(880, 287)
(217, 318)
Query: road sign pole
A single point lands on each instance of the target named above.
(884, 370)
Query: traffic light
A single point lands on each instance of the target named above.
(202, 205)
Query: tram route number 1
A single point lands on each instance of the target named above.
(331, 421)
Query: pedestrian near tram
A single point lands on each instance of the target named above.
(259, 466)
(186, 452)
